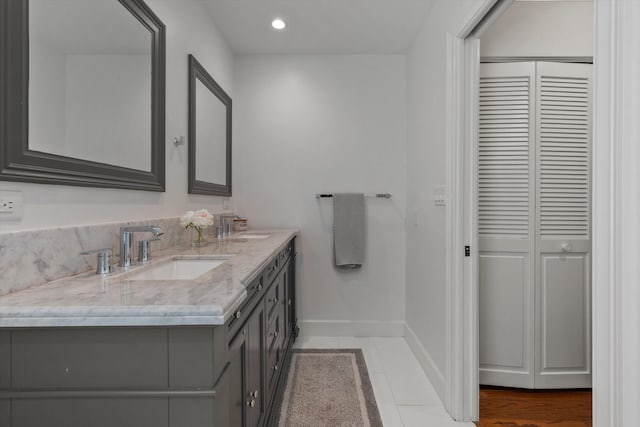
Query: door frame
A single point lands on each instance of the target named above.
(463, 58)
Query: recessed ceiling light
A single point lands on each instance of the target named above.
(278, 24)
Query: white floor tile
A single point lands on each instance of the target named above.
(369, 351)
(408, 381)
(351, 342)
(394, 352)
(316, 342)
(427, 416)
(390, 416)
(382, 389)
(412, 387)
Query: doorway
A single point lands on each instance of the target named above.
(463, 401)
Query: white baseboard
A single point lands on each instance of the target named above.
(345, 328)
(428, 365)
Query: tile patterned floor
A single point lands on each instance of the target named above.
(403, 392)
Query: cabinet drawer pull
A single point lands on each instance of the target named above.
(254, 394)
(251, 403)
(275, 367)
(238, 314)
(260, 287)
(275, 334)
(289, 302)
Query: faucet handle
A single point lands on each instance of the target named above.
(103, 257)
(144, 250)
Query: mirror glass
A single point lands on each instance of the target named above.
(209, 134)
(83, 93)
(89, 82)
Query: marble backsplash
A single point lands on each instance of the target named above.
(29, 258)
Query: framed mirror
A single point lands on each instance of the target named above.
(82, 93)
(209, 134)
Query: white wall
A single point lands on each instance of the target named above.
(189, 29)
(426, 169)
(541, 28)
(313, 124)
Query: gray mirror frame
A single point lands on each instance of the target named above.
(19, 163)
(197, 71)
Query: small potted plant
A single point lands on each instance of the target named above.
(197, 221)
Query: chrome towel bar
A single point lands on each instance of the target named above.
(376, 195)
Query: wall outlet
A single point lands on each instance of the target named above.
(10, 205)
(439, 196)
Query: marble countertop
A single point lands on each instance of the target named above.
(89, 299)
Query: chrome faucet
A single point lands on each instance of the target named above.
(126, 241)
(226, 224)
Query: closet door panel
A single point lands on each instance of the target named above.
(565, 306)
(505, 223)
(505, 347)
(563, 145)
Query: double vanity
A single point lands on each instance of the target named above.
(194, 337)
(187, 337)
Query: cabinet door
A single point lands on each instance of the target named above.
(255, 367)
(246, 372)
(290, 298)
(286, 302)
(237, 378)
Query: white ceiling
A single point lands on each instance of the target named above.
(319, 26)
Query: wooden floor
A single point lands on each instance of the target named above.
(506, 407)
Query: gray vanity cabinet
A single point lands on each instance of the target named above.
(259, 349)
(111, 376)
(158, 376)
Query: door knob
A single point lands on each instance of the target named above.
(566, 247)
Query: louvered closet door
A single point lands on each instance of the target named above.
(563, 299)
(506, 176)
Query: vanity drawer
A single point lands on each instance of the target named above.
(85, 412)
(285, 254)
(254, 293)
(273, 299)
(272, 269)
(274, 335)
(89, 358)
(255, 288)
(5, 361)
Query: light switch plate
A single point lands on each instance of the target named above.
(439, 196)
(10, 205)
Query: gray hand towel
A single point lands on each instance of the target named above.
(348, 229)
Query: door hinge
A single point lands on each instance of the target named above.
(467, 251)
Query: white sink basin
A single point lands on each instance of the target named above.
(252, 236)
(179, 269)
